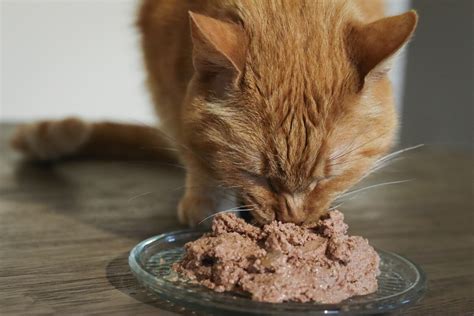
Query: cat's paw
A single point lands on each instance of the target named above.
(49, 140)
(193, 209)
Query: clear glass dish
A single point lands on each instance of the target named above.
(401, 283)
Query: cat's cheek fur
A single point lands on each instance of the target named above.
(193, 208)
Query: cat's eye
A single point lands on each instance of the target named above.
(271, 185)
(318, 180)
(261, 180)
(256, 178)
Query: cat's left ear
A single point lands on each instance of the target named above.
(219, 47)
(372, 45)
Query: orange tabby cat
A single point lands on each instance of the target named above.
(286, 103)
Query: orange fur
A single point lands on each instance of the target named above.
(74, 138)
(307, 89)
(285, 102)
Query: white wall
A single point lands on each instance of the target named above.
(77, 57)
(71, 57)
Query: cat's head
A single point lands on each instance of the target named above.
(292, 121)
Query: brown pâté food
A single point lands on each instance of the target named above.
(282, 261)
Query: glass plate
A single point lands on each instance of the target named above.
(401, 283)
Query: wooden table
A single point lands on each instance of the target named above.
(66, 230)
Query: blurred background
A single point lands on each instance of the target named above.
(81, 57)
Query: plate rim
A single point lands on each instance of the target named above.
(144, 277)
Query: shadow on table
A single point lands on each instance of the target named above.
(119, 276)
(99, 194)
(40, 182)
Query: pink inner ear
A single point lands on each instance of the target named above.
(374, 43)
(217, 43)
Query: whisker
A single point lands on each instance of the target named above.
(398, 152)
(160, 148)
(181, 187)
(234, 209)
(388, 159)
(378, 167)
(348, 147)
(138, 196)
(229, 187)
(354, 149)
(344, 150)
(227, 196)
(174, 165)
(334, 207)
(372, 187)
(345, 162)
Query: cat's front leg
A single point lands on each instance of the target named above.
(199, 199)
(202, 198)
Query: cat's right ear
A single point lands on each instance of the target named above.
(218, 47)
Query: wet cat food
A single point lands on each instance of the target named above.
(282, 261)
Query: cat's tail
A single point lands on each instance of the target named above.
(72, 137)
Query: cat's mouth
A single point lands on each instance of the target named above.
(281, 210)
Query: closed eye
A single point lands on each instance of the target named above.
(262, 181)
(317, 180)
(257, 179)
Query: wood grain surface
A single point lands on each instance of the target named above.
(66, 230)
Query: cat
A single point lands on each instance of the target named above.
(285, 103)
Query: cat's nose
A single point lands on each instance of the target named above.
(291, 208)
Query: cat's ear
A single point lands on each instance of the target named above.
(218, 46)
(373, 44)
